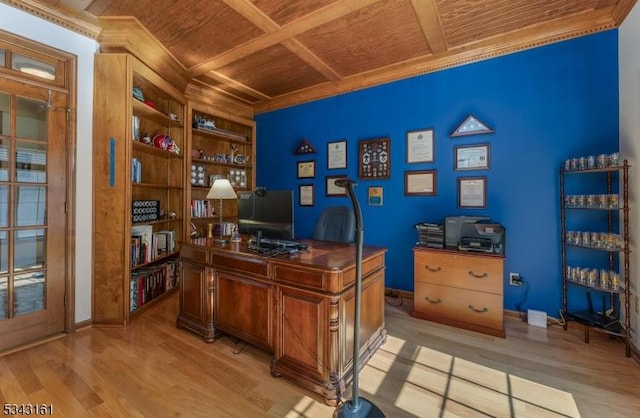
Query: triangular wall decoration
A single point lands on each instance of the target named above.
(471, 126)
(304, 147)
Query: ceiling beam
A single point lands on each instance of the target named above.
(256, 16)
(427, 13)
(326, 14)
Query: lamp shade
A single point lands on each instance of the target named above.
(221, 189)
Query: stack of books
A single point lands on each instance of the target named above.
(430, 235)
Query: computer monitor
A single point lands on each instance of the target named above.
(268, 211)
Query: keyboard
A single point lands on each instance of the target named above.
(272, 247)
(281, 243)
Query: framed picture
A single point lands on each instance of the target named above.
(307, 195)
(374, 159)
(306, 169)
(420, 146)
(472, 192)
(375, 196)
(332, 189)
(420, 183)
(471, 157)
(337, 154)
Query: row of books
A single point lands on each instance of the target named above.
(147, 245)
(202, 209)
(136, 171)
(150, 282)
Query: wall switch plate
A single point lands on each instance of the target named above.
(514, 279)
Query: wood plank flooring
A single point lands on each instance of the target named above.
(153, 369)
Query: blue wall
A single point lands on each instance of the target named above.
(545, 105)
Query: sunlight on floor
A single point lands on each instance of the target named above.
(438, 382)
(429, 383)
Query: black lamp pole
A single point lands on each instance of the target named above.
(357, 407)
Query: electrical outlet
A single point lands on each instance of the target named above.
(514, 279)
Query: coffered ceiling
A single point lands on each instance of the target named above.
(270, 54)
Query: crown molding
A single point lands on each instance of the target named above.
(83, 25)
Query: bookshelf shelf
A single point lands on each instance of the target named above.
(226, 151)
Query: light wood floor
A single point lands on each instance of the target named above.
(153, 369)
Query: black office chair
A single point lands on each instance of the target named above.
(337, 224)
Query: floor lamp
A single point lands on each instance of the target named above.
(221, 189)
(357, 406)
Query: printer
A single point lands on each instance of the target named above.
(483, 236)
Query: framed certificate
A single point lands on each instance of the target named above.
(306, 169)
(471, 157)
(337, 154)
(420, 146)
(472, 192)
(333, 190)
(420, 183)
(307, 194)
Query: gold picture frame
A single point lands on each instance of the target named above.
(306, 169)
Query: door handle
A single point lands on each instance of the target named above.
(479, 276)
(483, 310)
(432, 269)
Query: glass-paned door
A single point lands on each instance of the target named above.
(32, 212)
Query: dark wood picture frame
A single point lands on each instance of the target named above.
(331, 190)
(472, 192)
(421, 183)
(337, 154)
(472, 157)
(374, 159)
(306, 194)
(420, 146)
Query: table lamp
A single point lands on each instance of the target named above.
(221, 189)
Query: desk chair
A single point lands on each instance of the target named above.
(337, 224)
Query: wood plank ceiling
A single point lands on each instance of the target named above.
(270, 54)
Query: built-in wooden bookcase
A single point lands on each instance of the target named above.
(139, 198)
(222, 145)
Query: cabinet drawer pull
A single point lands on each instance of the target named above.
(432, 269)
(483, 310)
(479, 276)
(433, 301)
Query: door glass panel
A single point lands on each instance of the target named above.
(4, 252)
(4, 206)
(4, 160)
(34, 67)
(5, 116)
(3, 297)
(31, 119)
(31, 162)
(31, 202)
(29, 251)
(28, 292)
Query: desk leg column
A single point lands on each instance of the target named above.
(335, 383)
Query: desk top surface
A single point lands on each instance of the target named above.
(325, 254)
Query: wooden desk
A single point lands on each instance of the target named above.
(299, 307)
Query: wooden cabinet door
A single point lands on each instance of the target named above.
(303, 333)
(244, 308)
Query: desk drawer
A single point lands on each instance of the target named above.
(474, 272)
(244, 264)
(479, 308)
